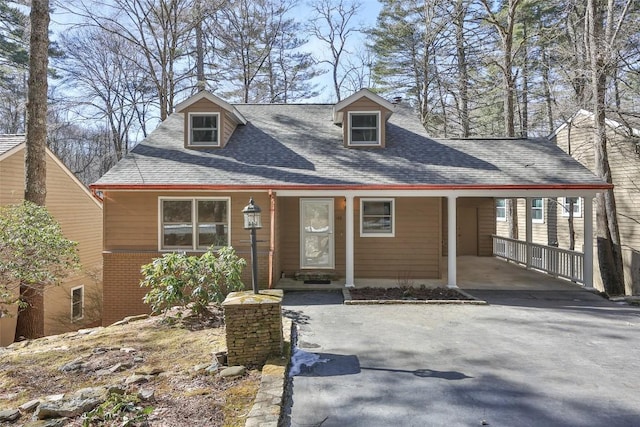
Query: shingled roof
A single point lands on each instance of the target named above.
(8, 142)
(300, 146)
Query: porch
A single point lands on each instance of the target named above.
(486, 273)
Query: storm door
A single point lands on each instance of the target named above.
(316, 233)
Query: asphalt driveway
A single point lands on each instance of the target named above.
(530, 358)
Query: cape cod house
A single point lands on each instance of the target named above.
(550, 223)
(356, 192)
(76, 303)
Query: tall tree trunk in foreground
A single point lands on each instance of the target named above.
(607, 232)
(30, 320)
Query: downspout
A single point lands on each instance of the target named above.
(272, 232)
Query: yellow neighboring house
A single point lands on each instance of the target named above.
(77, 303)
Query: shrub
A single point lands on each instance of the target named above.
(177, 279)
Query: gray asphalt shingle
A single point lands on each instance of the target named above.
(300, 145)
(7, 142)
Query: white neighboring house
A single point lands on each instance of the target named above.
(550, 216)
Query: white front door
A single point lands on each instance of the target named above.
(316, 233)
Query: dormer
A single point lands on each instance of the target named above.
(209, 121)
(363, 117)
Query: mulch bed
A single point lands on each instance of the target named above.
(406, 293)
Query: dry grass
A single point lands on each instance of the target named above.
(30, 370)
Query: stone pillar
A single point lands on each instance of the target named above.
(253, 326)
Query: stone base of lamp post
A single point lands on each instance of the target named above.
(253, 326)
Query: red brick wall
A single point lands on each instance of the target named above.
(122, 294)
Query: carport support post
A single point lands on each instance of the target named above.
(529, 231)
(587, 273)
(452, 250)
(349, 238)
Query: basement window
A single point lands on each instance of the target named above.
(77, 303)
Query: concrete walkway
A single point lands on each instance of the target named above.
(533, 357)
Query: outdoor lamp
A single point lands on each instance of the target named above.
(252, 216)
(252, 222)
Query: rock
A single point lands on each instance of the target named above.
(120, 367)
(116, 389)
(100, 350)
(128, 350)
(130, 319)
(213, 368)
(99, 393)
(200, 367)
(56, 422)
(138, 359)
(102, 372)
(65, 408)
(136, 379)
(54, 397)
(233, 371)
(30, 406)
(9, 415)
(221, 357)
(146, 394)
(149, 371)
(72, 366)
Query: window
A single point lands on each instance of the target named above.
(77, 303)
(364, 128)
(577, 206)
(501, 209)
(203, 129)
(194, 224)
(377, 218)
(537, 210)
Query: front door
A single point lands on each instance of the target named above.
(316, 233)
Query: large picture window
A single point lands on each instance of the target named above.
(194, 223)
(364, 128)
(377, 218)
(577, 206)
(203, 129)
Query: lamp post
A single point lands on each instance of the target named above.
(253, 222)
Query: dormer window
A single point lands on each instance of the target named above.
(364, 128)
(204, 129)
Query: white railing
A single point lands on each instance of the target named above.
(554, 261)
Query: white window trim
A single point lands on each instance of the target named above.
(536, 220)
(501, 218)
(393, 217)
(189, 134)
(193, 221)
(565, 208)
(75, 319)
(378, 143)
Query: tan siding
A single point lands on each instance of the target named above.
(289, 226)
(414, 252)
(364, 104)
(227, 124)
(80, 218)
(486, 222)
(625, 174)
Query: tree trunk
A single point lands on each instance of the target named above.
(35, 161)
(463, 75)
(607, 233)
(31, 319)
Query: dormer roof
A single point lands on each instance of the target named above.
(338, 113)
(214, 99)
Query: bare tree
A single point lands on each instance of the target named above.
(332, 25)
(603, 28)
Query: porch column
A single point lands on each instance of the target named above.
(529, 231)
(452, 250)
(349, 238)
(587, 273)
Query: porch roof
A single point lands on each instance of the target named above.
(299, 146)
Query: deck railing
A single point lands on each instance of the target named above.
(550, 259)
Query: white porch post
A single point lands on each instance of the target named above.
(349, 239)
(587, 273)
(452, 250)
(529, 231)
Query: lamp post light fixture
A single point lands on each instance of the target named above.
(252, 221)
